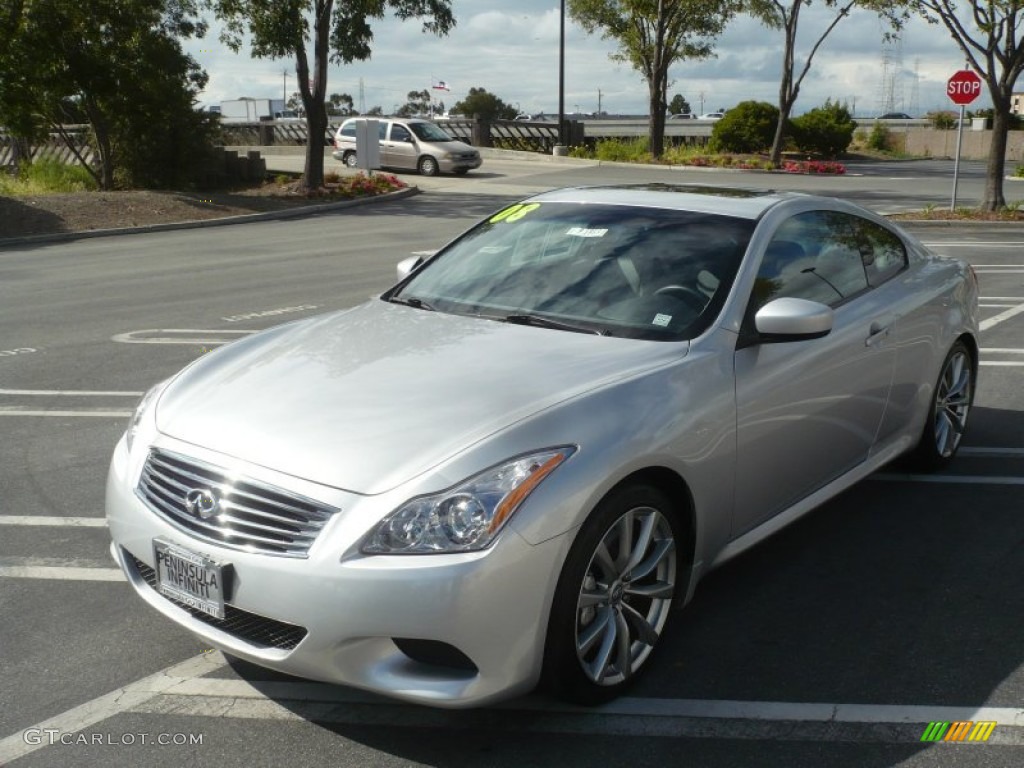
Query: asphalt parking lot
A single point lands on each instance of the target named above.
(834, 643)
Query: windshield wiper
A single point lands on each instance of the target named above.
(411, 301)
(546, 322)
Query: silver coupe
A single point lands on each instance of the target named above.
(507, 469)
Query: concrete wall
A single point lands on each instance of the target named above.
(931, 142)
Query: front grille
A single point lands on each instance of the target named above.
(251, 627)
(243, 513)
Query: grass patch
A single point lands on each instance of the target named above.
(46, 177)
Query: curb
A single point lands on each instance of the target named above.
(245, 218)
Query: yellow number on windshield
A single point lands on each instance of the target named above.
(514, 212)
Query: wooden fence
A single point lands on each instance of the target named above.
(53, 148)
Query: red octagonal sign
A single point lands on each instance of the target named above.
(963, 87)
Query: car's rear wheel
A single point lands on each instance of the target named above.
(951, 405)
(350, 159)
(613, 596)
(428, 166)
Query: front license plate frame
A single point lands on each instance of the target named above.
(189, 577)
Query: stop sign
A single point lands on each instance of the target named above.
(963, 87)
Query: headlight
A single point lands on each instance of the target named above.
(140, 413)
(467, 517)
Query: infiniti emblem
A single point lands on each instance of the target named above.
(202, 503)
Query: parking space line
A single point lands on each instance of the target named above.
(59, 569)
(1002, 363)
(718, 719)
(103, 707)
(949, 479)
(1001, 351)
(986, 451)
(1001, 317)
(41, 520)
(9, 411)
(67, 393)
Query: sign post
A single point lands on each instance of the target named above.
(962, 88)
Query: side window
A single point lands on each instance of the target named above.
(815, 256)
(400, 133)
(884, 253)
(382, 130)
(349, 130)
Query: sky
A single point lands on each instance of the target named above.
(514, 55)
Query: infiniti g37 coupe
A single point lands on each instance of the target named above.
(507, 468)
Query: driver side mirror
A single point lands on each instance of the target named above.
(792, 319)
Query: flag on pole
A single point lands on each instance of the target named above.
(441, 85)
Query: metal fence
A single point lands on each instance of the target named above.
(54, 147)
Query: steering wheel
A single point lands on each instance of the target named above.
(689, 295)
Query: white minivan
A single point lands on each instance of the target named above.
(410, 144)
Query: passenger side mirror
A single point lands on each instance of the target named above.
(406, 266)
(792, 319)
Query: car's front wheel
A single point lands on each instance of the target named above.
(951, 405)
(350, 159)
(428, 166)
(613, 596)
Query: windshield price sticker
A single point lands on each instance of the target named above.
(514, 212)
(583, 232)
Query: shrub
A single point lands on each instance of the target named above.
(943, 120)
(616, 150)
(826, 130)
(814, 167)
(747, 127)
(878, 139)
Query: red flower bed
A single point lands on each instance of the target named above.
(829, 167)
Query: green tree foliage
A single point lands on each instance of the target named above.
(679, 105)
(484, 105)
(747, 127)
(337, 32)
(785, 15)
(417, 103)
(341, 104)
(826, 130)
(990, 33)
(652, 35)
(118, 63)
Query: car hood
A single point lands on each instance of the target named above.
(367, 399)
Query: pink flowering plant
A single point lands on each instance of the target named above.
(826, 167)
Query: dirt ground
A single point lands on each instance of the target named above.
(85, 211)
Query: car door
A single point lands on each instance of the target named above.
(399, 149)
(810, 410)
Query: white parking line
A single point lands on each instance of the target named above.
(180, 336)
(1001, 351)
(41, 520)
(986, 451)
(67, 393)
(8, 411)
(1001, 317)
(55, 568)
(949, 479)
(1002, 363)
(106, 706)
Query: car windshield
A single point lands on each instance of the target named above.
(429, 132)
(627, 271)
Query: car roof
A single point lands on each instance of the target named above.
(726, 201)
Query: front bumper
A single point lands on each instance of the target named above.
(340, 612)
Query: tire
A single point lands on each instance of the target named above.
(350, 159)
(427, 166)
(952, 399)
(612, 602)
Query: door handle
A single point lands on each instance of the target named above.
(877, 332)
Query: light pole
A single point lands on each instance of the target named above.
(561, 73)
(284, 89)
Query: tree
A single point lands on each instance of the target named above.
(679, 106)
(341, 104)
(991, 35)
(417, 103)
(118, 62)
(339, 33)
(486, 106)
(785, 15)
(652, 36)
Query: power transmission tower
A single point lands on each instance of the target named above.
(890, 98)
